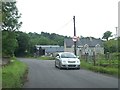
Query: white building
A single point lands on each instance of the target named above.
(85, 45)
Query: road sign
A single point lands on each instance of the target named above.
(75, 38)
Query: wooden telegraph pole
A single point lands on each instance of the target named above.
(74, 36)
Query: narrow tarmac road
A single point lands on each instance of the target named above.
(43, 74)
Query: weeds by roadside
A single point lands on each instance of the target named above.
(101, 69)
(13, 74)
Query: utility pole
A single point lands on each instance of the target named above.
(116, 32)
(74, 36)
(116, 39)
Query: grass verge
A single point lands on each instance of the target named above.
(0, 78)
(13, 74)
(106, 70)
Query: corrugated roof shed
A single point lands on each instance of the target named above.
(51, 48)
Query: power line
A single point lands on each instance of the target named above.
(65, 24)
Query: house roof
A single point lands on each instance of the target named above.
(45, 46)
(51, 48)
(81, 42)
(57, 49)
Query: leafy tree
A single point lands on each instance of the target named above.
(110, 46)
(10, 24)
(23, 44)
(47, 39)
(10, 16)
(55, 38)
(9, 43)
(0, 11)
(106, 35)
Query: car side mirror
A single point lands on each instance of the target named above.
(57, 57)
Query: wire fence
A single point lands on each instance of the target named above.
(108, 59)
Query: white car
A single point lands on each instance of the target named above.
(67, 60)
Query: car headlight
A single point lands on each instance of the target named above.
(78, 61)
(64, 61)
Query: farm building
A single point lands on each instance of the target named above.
(48, 49)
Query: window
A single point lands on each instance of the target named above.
(68, 55)
(68, 47)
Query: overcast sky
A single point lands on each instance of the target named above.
(93, 17)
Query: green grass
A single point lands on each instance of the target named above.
(46, 58)
(0, 77)
(108, 63)
(0, 17)
(106, 70)
(12, 75)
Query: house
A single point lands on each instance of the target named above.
(85, 45)
(49, 49)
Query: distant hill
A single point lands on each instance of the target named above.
(47, 39)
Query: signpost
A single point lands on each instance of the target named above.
(74, 37)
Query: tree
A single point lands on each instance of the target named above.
(10, 16)
(106, 35)
(110, 46)
(23, 44)
(26, 42)
(0, 11)
(10, 24)
(9, 43)
(47, 39)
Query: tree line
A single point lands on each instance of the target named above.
(26, 42)
(18, 43)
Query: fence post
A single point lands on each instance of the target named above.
(110, 59)
(86, 56)
(94, 61)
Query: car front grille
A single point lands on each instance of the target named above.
(71, 65)
(71, 61)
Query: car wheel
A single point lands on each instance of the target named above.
(55, 64)
(60, 66)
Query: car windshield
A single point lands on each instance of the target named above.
(68, 55)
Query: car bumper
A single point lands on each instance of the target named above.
(70, 66)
